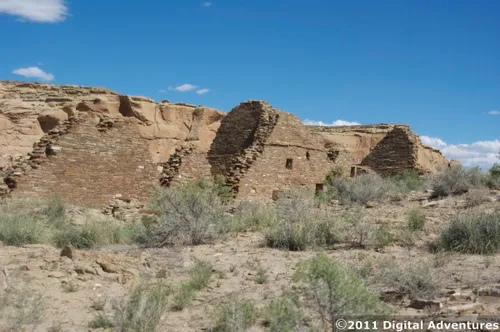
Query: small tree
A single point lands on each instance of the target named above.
(335, 292)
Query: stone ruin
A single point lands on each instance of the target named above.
(259, 150)
(91, 145)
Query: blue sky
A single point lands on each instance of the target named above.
(431, 64)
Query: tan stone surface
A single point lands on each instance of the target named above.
(97, 143)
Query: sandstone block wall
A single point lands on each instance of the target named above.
(385, 148)
(91, 166)
(105, 144)
(259, 149)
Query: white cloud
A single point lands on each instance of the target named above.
(494, 112)
(482, 153)
(40, 11)
(207, 4)
(183, 88)
(202, 91)
(33, 72)
(162, 91)
(334, 123)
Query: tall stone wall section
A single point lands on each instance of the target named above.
(94, 162)
(260, 150)
(240, 140)
(396, 152)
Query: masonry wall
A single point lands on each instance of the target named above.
(93, 165)
(396, 152)
(269, 171)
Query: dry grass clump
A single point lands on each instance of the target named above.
(475, 232)
(299, 225)
(143, 309)
(37, 221)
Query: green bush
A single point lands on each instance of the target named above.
(456, 181)
(189, 214)
(416, 220)
(361, 190)
(473, 233)
(20, 229)
(335, 293)
(252, 215)
(283, 314)
(382, 236)
(44, 221)
(143, 309)
(100, 322)
(55, 209)
(299, 225)
(494, 177)
(235, 315)
(408, 180)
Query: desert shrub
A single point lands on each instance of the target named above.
(361, 190)
(261, 276)
(334, 173)
(455, 181)
(142, 310)
(189, 214)
(476, 196)
(335, 293)
(493, 181)
(44, 221)
(416, 220)
(283, 314)
(199, 277)
(382, 236)
(21, 308)
(356, 230)
(299, 225)
(408, 180)
(417, 280)
(55, 209)
(20, 229)
(495, 170)
(200, 274)
(473, 233)
(235, 315)
(252, 215)
(101, 322)
(91, 234)
(183, 296)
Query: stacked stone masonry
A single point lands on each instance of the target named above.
(91, 144)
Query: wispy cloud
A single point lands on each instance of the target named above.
(40, 11)
(202, 91)
(162, 91)
(183, 88)
(33, 72)
(494, 112)
(482, 153)
(334, 123)
(207, 4)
